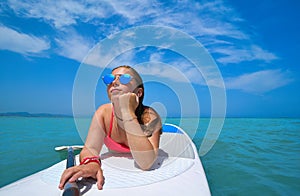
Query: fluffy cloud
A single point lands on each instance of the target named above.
(233, 54)
(73, 46)
(259, 82)
(205, 20)
(215, 24)
(22, 43)
(60, 13)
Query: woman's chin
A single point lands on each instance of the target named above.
(115, 95)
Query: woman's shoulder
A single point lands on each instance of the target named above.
(104, 109)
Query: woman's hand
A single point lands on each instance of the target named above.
(128, 103)
(125, 105)
(89, 170)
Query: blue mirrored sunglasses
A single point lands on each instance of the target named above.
(123, 78)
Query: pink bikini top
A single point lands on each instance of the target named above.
(110, 143)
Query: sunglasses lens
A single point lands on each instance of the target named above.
(125, 79)
(108, 79)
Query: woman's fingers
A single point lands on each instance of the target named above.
(73, 173)
(76, 175)
(100, 179)
(68, 173)
(128, 101)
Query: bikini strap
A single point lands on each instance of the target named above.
(111, 122)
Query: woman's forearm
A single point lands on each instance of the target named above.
(141, 148)
(143, 152)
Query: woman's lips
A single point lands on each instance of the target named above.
(114, 91)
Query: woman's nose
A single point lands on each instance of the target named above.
(116, 81)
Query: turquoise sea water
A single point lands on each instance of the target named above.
(252, 156)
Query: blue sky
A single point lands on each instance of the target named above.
(254, 45)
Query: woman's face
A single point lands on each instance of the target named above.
(116, 88)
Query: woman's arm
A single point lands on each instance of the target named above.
(91, 148)
(96, 134)
(144, 149)
(143, 139)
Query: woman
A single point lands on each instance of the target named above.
(124, 125)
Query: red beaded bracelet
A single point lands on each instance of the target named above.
(87, 160)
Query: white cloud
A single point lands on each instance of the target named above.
(180, 70)
(161, 71)
(134, 10)
(112, 51)
(156, 57)
(232, 54)
(73, 46)
(198, 19)
(261, 54)
(127, 58)
(205, 20)
(198, 24)
(61, 13)
(259, 82)
(21, 43)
